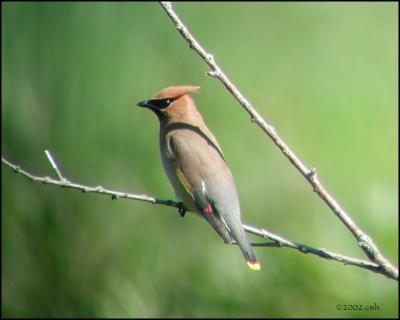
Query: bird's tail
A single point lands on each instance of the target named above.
(229, 227)
(246, 249)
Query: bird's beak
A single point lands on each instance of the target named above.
(144, 104)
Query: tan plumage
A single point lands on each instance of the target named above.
(195, 166)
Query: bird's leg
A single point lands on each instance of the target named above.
(181, 209)
(179, 205)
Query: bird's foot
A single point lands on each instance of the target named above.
(182, 209)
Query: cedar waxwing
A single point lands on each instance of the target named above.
(195, 166)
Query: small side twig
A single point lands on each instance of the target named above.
(277, 241)
(364, 241)
(62, 182)
(54, 164)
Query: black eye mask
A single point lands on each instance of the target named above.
(156, 103)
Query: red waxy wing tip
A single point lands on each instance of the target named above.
(208, 209)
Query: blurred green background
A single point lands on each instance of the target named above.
(324, 74)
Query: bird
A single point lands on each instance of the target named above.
(195, 166)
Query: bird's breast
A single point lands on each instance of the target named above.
(182, 192)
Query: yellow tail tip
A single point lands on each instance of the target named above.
(254, 265)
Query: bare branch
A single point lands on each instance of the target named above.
(277, 241)
(322, 253)
(364, 241)
(84, 188)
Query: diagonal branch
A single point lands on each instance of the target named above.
(364, 241)
(276, 240)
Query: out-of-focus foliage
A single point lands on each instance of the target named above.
(324, 74)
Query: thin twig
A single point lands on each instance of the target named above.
(364, 241)
(54, 164)
(322, 253)
(84, 188)
(277, 241)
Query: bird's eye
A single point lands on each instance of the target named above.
(162, 103)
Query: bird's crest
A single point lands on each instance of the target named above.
(175, 91)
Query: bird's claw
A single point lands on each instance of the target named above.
(181, 209)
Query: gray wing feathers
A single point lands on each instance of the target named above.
(210, 180)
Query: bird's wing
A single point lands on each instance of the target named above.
(202, 171)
